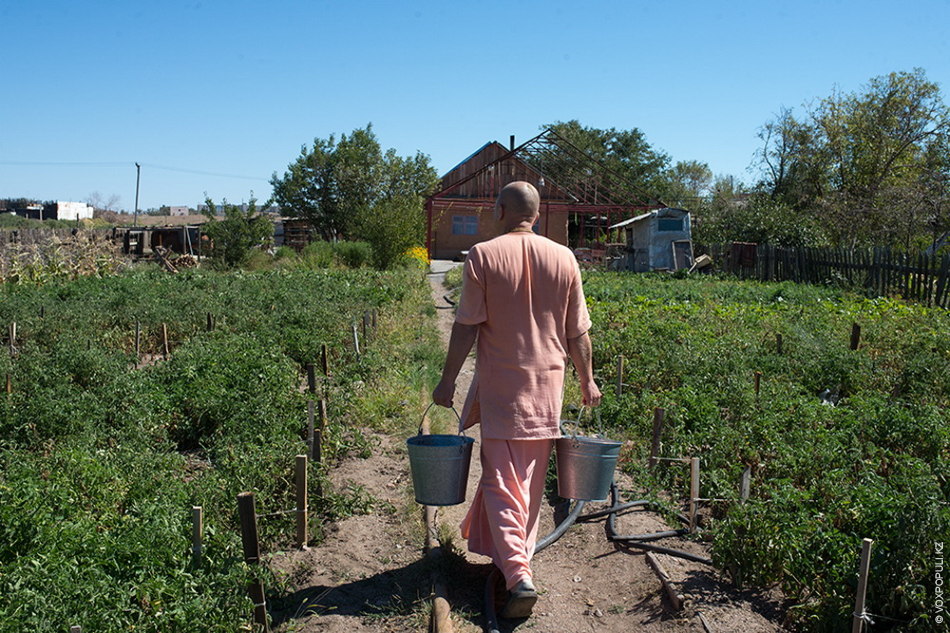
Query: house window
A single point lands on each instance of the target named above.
(669, 224)
(464, 225)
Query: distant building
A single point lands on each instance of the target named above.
(60, 210)
(179, 210)
(658, 240)
(72, 211)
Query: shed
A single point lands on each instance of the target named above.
(658, 240)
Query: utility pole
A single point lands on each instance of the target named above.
(138, 172)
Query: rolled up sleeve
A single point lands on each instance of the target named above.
(578, 318)
(472, 309)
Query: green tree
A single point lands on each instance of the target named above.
(690, 182)
(862, 161)
(342, 186)
(240, 231)
(643, 169)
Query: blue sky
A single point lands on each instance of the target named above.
(214, 96)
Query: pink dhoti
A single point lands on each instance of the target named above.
(502, 522)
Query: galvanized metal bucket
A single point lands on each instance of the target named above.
(585, 466)
(439, 465)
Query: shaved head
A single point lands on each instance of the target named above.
(519, 203)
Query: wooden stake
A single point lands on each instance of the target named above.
(857, 618)
(855, 336)
(252, 554)
(13, 338)
(778, 344)
(311, 379)
(165, 340)
(745, 483)
(323, 414)
(9, 385)
(138, 340)
(366, 325)
(758, 382)
(197, 533)
(375, 315)
(300, 471)
(249, 538)
(317, 454)
(325, 358)
(310, 408)
(256, 592)
(658, 415)
(620, 376)
(693, 492)
(210, 323)
(317, 458)
(356, 341)
(676, 599)
(42, 312)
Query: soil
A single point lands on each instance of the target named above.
(371, 574)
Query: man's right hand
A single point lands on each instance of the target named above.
(591, 394)
(443, 394)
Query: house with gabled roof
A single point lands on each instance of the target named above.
(580, 196)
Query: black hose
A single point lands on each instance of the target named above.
(666, 550)
(560, 529)
(613, 509)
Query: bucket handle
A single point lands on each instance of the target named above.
(432, 404)
(577, 422)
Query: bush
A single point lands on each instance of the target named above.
(353, 254)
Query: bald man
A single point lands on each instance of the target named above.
(523, 301)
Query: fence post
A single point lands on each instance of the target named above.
(757, 376)
(620, 376)
(745, 484)
(356, 341)
(857, 618)
(855, 336)
(13, 338)
(311, 379)
(317, 449)
(252, 555)
(325, 359)
(210, 323)
(310, 427)
(693, 492)
(138, 340)
(658, 415)
(778, 344)
(197, 533)
(165, 340)
(300, 471)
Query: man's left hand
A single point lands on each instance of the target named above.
(443, 394)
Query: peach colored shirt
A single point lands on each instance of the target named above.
(524, 292)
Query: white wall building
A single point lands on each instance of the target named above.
(72, 211)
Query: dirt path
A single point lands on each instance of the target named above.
(369, 573)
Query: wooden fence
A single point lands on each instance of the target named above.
(879, 271)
